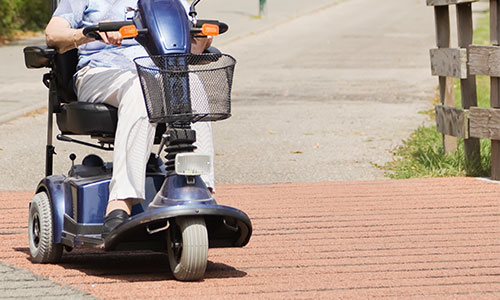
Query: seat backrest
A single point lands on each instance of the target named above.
(64, 68)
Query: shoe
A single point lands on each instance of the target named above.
(113, 221)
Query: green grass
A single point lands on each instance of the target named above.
(483, 92)
(482, 31)
(422, 154)
(481, 37)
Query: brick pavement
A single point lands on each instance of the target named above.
(419, 238)
(17, 283)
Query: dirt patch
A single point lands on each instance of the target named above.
(19, 35)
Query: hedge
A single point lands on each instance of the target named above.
(23, 15)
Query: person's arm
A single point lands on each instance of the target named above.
(62, 37)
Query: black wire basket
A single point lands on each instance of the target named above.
(186, 88)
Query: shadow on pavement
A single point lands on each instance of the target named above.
(140, 266)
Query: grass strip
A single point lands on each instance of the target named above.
(422, 154)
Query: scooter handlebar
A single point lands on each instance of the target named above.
(223, 27)
(113, 26)
(91, 31)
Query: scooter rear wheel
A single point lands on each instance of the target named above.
(40, 231)
(187, 247)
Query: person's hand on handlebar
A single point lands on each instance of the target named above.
(111, 37)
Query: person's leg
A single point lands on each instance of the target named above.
(204, 139)
(134, 135)
(205, 145)
(133, 144)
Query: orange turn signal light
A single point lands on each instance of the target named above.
(209, 29)
(129, 31)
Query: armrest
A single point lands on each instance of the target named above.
(36, 57)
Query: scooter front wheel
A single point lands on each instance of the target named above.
(187, 247)
(40, 231)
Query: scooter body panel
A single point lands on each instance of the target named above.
(79, 206)
(55, 189)
(226, 226)
(176, 191)
(83, 201)
(167, 24)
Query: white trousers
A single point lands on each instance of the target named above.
(134, 134)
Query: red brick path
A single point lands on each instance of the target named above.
(422, 238)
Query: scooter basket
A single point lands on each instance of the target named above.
(186, 88)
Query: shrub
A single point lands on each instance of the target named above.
(33, 14)
(8, 17)
(23, 15)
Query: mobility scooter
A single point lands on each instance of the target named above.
(179, 216)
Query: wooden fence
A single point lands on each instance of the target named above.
(465, 62)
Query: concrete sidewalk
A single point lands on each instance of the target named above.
(425, 238)
(322, 97)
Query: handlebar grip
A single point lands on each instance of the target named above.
(113, 26)
(91, 32)
(223, 27)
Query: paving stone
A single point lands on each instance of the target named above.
(423, 238)
(16, 283)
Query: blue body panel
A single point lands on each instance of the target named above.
(94, 197)
(220, 232)
(90, 197)
(84, 202)
(175, 191)
(168, 27)
(57, 193)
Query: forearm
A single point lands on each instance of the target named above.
(59, 35)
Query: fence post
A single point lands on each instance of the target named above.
(468, 85)
(446, 93)
(495, 86)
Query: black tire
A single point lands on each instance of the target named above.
(40, 231)
(187, 247)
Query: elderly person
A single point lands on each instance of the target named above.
(106, 74)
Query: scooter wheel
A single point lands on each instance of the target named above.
(187, 247)
(40, 232)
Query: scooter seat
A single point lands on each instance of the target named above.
(81, 118)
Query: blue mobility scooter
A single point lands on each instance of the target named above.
(179, 216)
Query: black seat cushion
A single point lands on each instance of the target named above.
(81, 118)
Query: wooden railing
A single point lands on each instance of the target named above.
(465, 62)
